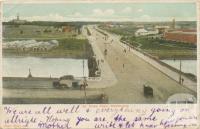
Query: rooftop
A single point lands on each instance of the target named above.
(160, 27)
(181, 32)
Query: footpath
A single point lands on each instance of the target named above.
(107, 77)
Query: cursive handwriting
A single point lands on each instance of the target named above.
(99, 116)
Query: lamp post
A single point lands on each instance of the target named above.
(84, 88)
(180, 77)
(84, 77)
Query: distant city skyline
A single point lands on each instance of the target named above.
(101, 12)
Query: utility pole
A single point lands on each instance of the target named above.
(84, 77)
(84, 87)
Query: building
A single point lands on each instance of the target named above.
(113, 25)
(162, 29)
(108, 24)
(30, 45)
(143, 32)
(153, 31)
(182, 36)
(140, 26)
(66, 29)
(18, 21)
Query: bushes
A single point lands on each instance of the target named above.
(71, 44)
(160, 44)
(162, 48)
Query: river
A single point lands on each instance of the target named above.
(43, 67)
(188, 66)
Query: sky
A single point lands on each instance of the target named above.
(101, 11)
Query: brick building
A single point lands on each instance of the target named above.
(66, 28)
(182, 36)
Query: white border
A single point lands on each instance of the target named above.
(97, 1)
(198, 58)
(1, 29)
(110, 1)
(197, 2)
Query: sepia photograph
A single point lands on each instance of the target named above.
(99, 53)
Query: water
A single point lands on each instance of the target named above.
(43, 67)
(188, 66)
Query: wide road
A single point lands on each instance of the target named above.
(132, 73)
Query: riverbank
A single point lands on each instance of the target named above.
(40, 90)
(51, 67)
(187, 66)
(67, 48)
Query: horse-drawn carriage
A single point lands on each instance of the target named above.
(148, 91)
(66, 81)
(105, 52)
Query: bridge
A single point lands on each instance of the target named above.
(128, 72)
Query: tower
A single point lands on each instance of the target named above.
(173, 23)
(18, 16)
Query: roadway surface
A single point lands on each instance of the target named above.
(135, 73)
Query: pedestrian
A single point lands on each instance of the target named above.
(123, 65)
(124, 50)
(182, 80)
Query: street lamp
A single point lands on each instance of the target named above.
(84, 77)
(180, 78)
(84, 88)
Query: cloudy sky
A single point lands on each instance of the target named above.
(101, 11)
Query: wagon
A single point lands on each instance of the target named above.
(66, 81)
(148, 91)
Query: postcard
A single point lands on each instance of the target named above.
(99, 64)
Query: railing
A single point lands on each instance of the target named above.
(94, 78)
(90, 78)
(157, 60)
